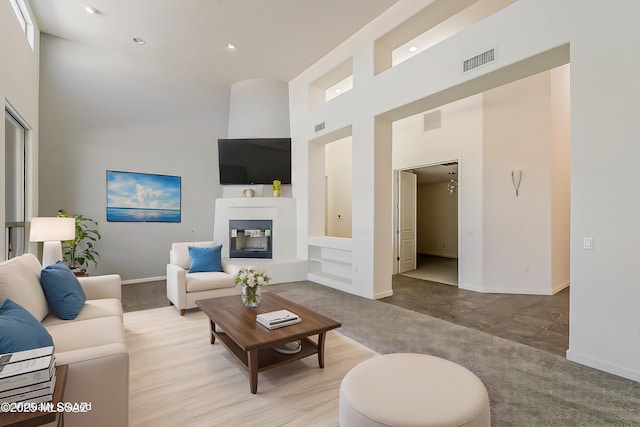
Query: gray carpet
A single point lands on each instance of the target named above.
(527, 386)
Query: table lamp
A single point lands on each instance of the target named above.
(51, 231)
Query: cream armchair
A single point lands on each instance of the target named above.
(184, 288)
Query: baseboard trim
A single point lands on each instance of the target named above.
(523, 291)
(143, 280)
(603, 366)
(489, 290)
(335, 284)
(385, 294)
(560, 287)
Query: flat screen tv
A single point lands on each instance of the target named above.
(254, 160)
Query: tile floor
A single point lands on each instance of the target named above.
(540, 321)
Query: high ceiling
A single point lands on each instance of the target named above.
(274, 38)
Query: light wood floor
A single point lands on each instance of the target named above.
(179, 379)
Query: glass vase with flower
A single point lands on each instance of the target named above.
(250, 282)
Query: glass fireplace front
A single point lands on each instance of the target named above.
(250, 238)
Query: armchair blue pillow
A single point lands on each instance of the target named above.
(62, 290)
(208, 258)
(19, 330)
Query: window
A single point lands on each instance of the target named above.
(14, 235)
(24, 18)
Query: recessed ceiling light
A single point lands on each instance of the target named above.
(91, 10)
(231, 46)
(338, 90)
(138, 40)
(413, 48)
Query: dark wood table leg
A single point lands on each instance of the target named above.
(321, 340)
(252, 357)
(213, 329)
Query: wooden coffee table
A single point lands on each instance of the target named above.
(252, 344)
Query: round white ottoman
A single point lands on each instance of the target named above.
(405, 390)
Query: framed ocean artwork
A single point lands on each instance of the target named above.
(143, 197)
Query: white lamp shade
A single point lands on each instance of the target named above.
(52, 229)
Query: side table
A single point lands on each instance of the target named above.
(33, 419)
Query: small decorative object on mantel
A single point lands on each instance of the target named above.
(276, 188)
(248, 192)
(250, 282)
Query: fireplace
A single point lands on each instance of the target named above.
(250, 238)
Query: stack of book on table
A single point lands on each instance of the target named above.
(28, 376)
(278, 319)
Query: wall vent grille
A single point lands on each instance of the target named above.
(479, 60)
(433, 120)
(319, 127)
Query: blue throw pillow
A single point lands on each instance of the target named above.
(207, 258)
(62, 290)
(19, 330)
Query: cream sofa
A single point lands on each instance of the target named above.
(184, 288)
(93, 345)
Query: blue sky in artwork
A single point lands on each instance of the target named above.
(142, 191)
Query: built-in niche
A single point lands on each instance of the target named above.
(338, 191)
(330, 184)
(330, 196)
(438, 21)
(332, 84)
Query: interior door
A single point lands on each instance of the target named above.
(408, 184)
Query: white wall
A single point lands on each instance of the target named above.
(517, 230)
(259, 108)
(605, 105)
(19, 87)
(102, 111)
(531, 36)
(437, 220)
(339, 194)
(527, 237)
(560, 177)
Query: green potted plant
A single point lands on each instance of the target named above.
(80, 251)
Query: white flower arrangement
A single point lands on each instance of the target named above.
(250, 281)
(247, 276)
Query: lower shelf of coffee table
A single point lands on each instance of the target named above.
(268, 358)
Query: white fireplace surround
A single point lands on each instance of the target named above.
(284, 266)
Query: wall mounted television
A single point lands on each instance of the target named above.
(254, 160)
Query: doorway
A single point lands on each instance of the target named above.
(15, 185)
(428, 223)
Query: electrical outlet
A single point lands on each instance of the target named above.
(525, 268)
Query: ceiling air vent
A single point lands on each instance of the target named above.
(479, 60)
